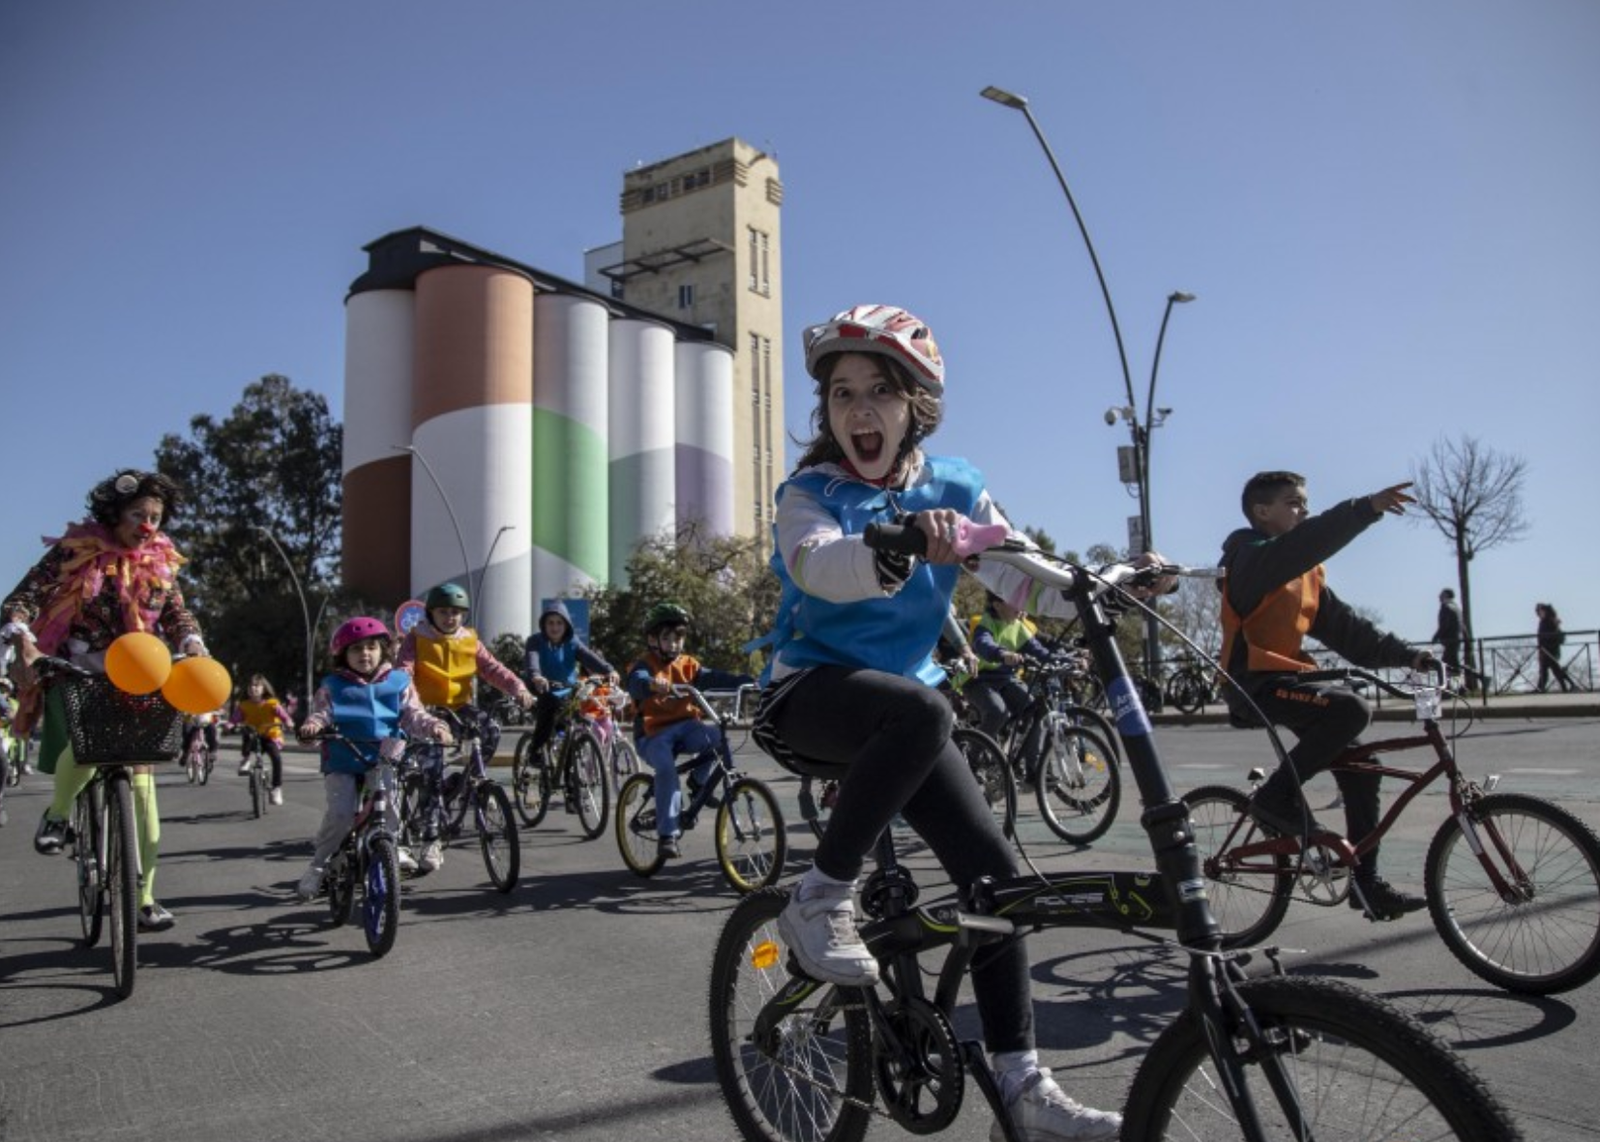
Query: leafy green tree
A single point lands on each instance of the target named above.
(262, 513)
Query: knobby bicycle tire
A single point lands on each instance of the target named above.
(122, 878)
(497, 835)
(811, 1079)
(751, 841)
(636, 825)
(584, 766)
(1248, 899)
(1360, 1069)
(1079, 784)
(86, 858)
(380, 901)
(530, 783)
(1548, 939)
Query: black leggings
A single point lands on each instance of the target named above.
(274, 752)
(894, 733)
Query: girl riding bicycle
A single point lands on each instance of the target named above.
(262, 712)
(367, 699)
(111, 573)
(852, 679)
(555, 654)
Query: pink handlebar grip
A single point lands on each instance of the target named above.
(973, 539)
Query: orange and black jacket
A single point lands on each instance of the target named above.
(1275, 594)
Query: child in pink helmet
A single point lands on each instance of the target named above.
(364, 698)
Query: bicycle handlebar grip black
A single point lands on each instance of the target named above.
(906, 540)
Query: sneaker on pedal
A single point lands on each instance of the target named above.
(821, 932)
(406, 862)
(154, 918)
(667, 848)
(244, 767)
(50, 837)
(1384, 900)
(432, 857)
(1042, 1112)
(275, 797)
(310, 886)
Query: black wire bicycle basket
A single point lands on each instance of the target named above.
(112, 727)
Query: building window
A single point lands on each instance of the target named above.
(760, 267)
(686, 296)
(755, 257)
(766, 279)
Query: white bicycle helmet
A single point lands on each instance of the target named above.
(879, 329)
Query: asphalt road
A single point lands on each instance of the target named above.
(575, 1007)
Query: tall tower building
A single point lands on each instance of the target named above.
(701, 245)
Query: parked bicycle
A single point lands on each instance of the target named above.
(1512, 881)
(467, 790)
(111, 731)
(366, 865)
(749, 833)
(1254, 1059)
(574, 761)
(1192, 688)
(257, 767)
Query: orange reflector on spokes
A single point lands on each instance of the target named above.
(764, 955)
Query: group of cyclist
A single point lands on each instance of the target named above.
(850, 676)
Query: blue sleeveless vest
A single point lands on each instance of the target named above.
(364, 711)
(896, 634)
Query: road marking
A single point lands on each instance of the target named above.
(1548, 772)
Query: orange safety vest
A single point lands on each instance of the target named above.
(445, 668)
(1274, 631)
(262, 717)
(662, 710)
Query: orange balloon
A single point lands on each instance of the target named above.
(197, 685)
(138, 662)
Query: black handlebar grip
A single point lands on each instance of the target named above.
(907, 540)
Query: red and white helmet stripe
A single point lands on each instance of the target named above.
(879, 329)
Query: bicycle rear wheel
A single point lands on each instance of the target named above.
(992, 771)
(1356, 1070)
(808, 1076)
(624, 761)
(341, 884)
(380, 900)
(497, 836)
(586, 778)
(1249, 897)
(530, 784)
(122, 879)
(750, 838)
(86, 854)
(1546, 938)
(817, 797)
(636, 825)
(1079, 787)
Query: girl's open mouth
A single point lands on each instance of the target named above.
(868, 445)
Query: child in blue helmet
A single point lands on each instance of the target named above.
(364, 698)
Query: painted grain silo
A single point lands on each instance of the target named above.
(378, 366)
(472, 440)
(570, 383)
(641, 437)
(704, 449)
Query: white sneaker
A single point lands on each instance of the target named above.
(1042, 1112)
(432, 857)
(275, 797)
(244, 767)
(310, 886)
(407, 862)
(821, 932)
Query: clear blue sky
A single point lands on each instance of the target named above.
(1388, 212)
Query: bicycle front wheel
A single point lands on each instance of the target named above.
(636, 825)
(86, 853)
(122, 879)
(751, 843)
(1079, 787)
(530, 787)
(1249, 895)
(1543, 934)
(624, 761)
(258, 792)
(1328, 1061)
(380, 901)
(992, 771)
(586, 781)
(497, 836)
(808, 1076)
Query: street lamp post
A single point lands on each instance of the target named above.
(1140, 431)
(477, 610)
(466, 561)
(305, 611)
